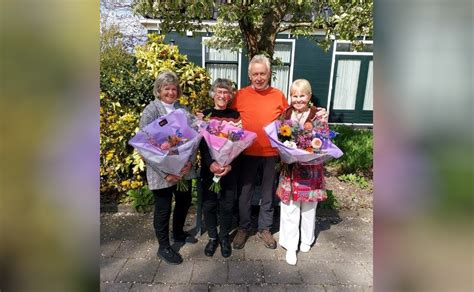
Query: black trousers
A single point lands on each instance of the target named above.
(222, 203)
(161, 216)
(211, 204)
(248, 171)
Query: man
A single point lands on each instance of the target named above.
(258, 104)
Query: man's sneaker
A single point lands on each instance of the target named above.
(184, 237)
(170, 256)
(240, 239)
(267, 238)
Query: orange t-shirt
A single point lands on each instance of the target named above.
(257, 109)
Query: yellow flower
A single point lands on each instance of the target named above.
(285, 130)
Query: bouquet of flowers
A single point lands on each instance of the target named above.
(310, 144)
(167, 144)
(225, 143)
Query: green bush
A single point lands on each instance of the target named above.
(126, 85)
(142, 199)
(330, 203)
(121, 169)
(359, 181)
(357, 146)
(120, 79)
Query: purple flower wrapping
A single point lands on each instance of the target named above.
(224, 150)
(171, 161)
(289, 155)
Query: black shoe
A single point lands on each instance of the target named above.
(170, 256)
(211, 247)
(226, 249)
(184, 237)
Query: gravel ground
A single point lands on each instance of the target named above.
(349, 195)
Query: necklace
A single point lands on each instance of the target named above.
(298, 119)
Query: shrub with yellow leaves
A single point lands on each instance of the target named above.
(155, 56)
(126, 83)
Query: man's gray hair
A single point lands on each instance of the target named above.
(163, 79)
(260, 59)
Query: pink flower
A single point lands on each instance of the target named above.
(165, 146)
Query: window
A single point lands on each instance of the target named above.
(282, 74)
(345, 46)
(369, 96)
(347, 78)
(222, 63)
(225, 63)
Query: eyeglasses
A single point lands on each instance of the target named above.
(222, 92)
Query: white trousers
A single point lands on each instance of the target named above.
(291, 215)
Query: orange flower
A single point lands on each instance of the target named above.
(309, 149)
(308, 126)
(174, 140)
(222, 135)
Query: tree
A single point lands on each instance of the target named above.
(254, 25)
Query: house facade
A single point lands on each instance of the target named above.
(342, 80)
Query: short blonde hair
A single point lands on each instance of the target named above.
(301, 84)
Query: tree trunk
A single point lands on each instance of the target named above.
(250, 37)
(260, 38)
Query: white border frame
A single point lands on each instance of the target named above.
(239, 60)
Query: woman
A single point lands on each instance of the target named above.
(167, 92)
(222, 92)
(302, 187)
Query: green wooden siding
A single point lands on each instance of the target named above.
(313, 64)
(190, 46)
(310, 62)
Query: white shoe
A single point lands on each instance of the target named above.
(291, 257)
(304, 247)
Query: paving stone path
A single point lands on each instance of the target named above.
(340, 260)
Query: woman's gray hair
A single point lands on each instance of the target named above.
(222, 83)
(163, 79)
(260, 59)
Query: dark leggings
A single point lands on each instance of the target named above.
(161, 216)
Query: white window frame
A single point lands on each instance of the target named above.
(292, 62)
(370, 80)
(333, 62)
(239, 61)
